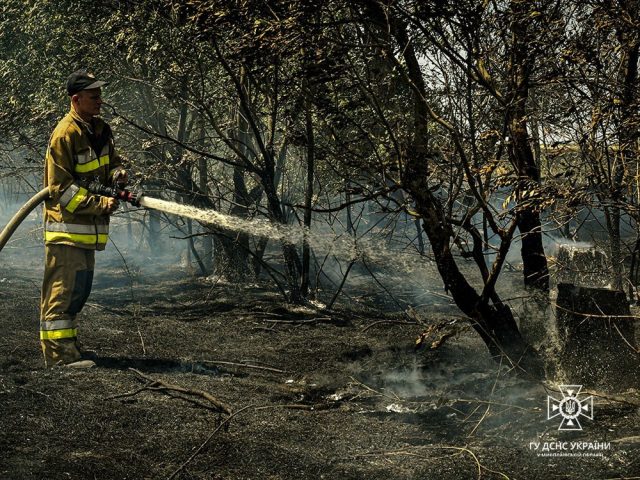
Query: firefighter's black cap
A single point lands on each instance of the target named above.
(82, 80)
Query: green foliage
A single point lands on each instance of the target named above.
(233, 81)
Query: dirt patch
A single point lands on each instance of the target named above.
(317, 395)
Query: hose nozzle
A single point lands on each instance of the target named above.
(128, 196)
(114, 192)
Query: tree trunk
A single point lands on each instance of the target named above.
(236, 248)
(534, 260)
(308, 197)
(419, 237)
(207, 241)
(628, 130)
(612, 217)
(347, 199)
(292, 260)
(493, 322)
(154, 237)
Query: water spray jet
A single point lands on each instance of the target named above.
(346, 247)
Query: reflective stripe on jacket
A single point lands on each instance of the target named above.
(73, 215)
(76, 233)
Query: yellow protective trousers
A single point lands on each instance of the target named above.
(68, 276)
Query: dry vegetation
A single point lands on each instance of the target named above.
(312, 395)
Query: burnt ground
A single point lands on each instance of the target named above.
(315, 395)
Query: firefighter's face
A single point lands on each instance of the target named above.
(87, 103)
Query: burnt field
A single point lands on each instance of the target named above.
(310, 394)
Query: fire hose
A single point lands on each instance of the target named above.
(94, 187)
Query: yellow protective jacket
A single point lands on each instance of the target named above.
(78, 151)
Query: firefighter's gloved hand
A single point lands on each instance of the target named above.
(112, 205)
(121, 179)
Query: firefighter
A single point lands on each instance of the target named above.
(76, 222)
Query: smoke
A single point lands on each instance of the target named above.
(386, 261)
(368, 249)
(407, 382)
(137, 252)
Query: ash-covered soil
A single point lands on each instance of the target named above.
(314, 395)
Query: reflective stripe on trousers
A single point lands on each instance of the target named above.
(68, 276)
(55, 329)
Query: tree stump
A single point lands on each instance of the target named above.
(596, 332)
(582, 264)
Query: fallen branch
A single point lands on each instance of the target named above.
(244, 365)
(397, 322)
(624, 339)
(299, 322)
(316, 407)
(436, 334)
(252, 314)
(159, 385)
(132, 393)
